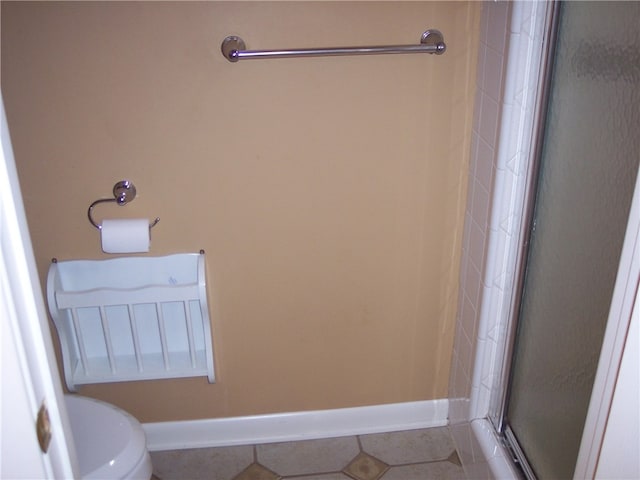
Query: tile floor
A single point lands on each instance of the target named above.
(409, 455)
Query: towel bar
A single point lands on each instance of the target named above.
(234, 49)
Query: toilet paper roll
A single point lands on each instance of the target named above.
(129, 235)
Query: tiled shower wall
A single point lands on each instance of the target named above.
(492, 52)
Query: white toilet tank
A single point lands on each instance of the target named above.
(110, 443)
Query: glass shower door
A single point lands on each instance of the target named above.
(588, 167)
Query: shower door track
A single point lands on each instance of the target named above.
(517, 455)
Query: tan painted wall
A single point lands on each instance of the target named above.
(328, 193)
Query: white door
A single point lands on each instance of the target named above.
(29, 375)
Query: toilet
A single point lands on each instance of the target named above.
(110, 443)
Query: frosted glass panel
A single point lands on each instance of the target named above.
(588, 168)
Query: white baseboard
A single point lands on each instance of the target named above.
(285, 427)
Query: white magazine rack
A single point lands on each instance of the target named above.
(131, 318)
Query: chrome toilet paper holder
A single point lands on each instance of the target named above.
(123, 192)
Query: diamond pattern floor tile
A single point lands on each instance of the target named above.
(326, 476)
(256, 472)
(455, 459)
(414, 446)
(366, 467)
(309, 456)
(410, 455)
(198, 463)
(433, 470)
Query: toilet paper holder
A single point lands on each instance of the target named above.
(123, 192)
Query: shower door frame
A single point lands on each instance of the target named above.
(490, 371)
(499, 402)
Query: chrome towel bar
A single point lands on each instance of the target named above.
(234, 49)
